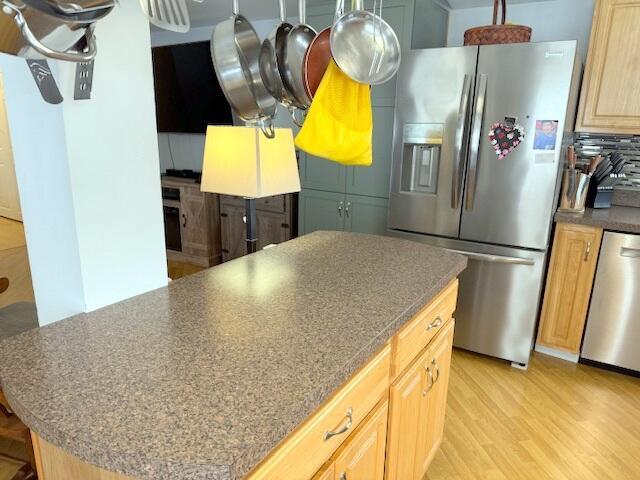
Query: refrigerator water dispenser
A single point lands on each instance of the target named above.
(421, 157)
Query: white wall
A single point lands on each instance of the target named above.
(113, 161)
(40, 157)
(550, 20)
(89, 177)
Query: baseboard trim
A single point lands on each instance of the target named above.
(569, 357)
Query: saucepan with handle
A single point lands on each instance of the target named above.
(364, 45)
(235, 48)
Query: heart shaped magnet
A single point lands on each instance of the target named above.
(505, 139)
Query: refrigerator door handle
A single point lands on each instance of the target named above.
(476, 127)
(456, 187)
(484, 257)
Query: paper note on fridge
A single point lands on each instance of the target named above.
(545, 140)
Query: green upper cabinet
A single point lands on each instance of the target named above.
(421, 23)
(374, 180)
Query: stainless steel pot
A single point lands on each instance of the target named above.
(298, 42)
(37, 29)
(235, 47)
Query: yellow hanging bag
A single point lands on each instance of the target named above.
(339, 124)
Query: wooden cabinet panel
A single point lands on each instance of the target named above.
(363, 455)
(327, 472)
(417, 409)
(309, 447)
(233, 232)
(425, 325)
(610, 98)
(569, 281)
(194, 223)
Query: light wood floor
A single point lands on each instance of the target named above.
(555, 421)
(178, 269)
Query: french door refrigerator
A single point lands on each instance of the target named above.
(455, 107)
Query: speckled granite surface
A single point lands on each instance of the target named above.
(620, 219)
(626, 197)
(202, 379)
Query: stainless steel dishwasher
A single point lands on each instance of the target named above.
(613, 327)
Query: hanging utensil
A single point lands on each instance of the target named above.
(298, 41)
(272, 61)
(365, 47)
(169, 15)
(45, 81)
(318, 56)
(235, 48)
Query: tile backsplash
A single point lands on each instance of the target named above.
(590, 144)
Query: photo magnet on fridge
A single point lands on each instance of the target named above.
(544, 141)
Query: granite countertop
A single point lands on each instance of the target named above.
(620, 219)
(202, 379)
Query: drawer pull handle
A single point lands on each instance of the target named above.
(435, 364)
(435, 324)
(587, 252)
(431, 382)
(343, 476)
(328, 434)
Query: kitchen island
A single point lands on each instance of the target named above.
(226, 373)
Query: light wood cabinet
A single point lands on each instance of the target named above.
(362, 456)
(417, 410)
(569, 281)
(610, 98)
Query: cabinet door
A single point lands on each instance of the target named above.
(566, 300)
(233, 232)
(375, 180)
(322, 174)
(194, 222)
(610, 99)
(434, 403)
(328, 472)
(320, 211)
(366, 214)
(272, 229)
(417, 409)
(364, 454)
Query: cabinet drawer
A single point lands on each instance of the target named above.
(302, 454)
(268, 204)
(423, 327)
(271, 204)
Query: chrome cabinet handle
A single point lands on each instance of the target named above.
(184, 223)
(435, 324)
(346, 211)
(587, 251)
(456, 186)
(329, 434)
(343, 476)
(340, 204)
(434, 363)
(431, 382)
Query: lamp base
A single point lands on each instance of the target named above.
(251, 220)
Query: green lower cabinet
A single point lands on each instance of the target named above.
(319, 210)
(366, 214)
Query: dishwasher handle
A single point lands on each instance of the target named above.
(630, 252)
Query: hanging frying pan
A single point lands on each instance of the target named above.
(318, 55)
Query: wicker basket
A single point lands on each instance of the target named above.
(492, 34)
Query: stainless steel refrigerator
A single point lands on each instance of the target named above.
(450, 188)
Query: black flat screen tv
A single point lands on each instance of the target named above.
(188, 95)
